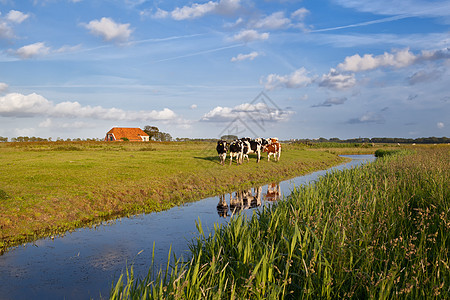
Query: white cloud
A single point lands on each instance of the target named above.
(227, 7)
(159, 14)
(199, 10)
(276, 20)
(13, 17)
(440, 125)
(6, 31)
(40, 49)
(299, 78)
(16, 16)
(300, 14)
(337, 81)
(194, 11)
(240, 57)
(397, 59)
(247, 111)
(18, 105)
(29, 51)
(249, 35)
(110, 30)
(3, 87)
(193, 106)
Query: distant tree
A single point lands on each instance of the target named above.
(151, 131)
(3, 139)
(162, 137)
(229, 137)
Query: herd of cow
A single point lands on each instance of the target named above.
(241, 148)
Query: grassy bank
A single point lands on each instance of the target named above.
(48, 188)
(375, 232)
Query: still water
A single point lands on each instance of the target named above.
(83, 264)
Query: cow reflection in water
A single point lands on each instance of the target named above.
(222, 207)
(273, 192)
(239, 201)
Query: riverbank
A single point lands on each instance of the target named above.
(377, 231)
(49, 188)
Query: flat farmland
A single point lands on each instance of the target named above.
(50, 187)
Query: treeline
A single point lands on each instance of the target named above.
(156, 135)
(378, 140)
(21, 139)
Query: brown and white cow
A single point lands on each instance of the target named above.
(273, 148)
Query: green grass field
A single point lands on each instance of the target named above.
(379, 231)
(47, 188)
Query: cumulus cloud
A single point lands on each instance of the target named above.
(40, 49)
(6, 23)
(16, 16)
(6, 31)
(276, 20)
(3, 87)
(247, 111)
(297, 79)
(240, 57)
(109, 30)
(396, 59)
(196, 10)
(337, 81)
(32, 50)
(19, 105)
(159, 14)
(249, 35)
(332, 101)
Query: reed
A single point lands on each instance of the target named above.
(379, 231)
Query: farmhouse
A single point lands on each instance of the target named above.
(127, 134)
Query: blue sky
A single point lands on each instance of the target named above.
(291, 69)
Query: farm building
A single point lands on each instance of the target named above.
(127, 134)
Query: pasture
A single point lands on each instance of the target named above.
(379, 231)
(47, 188)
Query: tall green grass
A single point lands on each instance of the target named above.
(379, 231)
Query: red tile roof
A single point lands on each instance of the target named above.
(132, 134)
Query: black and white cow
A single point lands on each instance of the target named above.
(222, 149)
(236, 150)
(252, 146)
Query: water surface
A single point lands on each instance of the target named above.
(83, 264)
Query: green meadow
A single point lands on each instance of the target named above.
(47, 188)
(379, 231)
